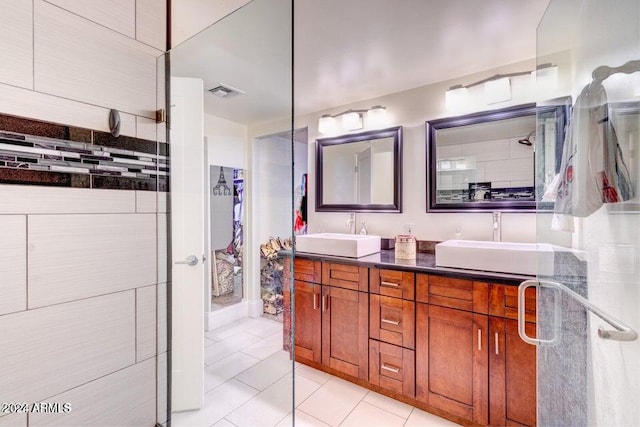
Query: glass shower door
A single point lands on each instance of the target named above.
(588, 354)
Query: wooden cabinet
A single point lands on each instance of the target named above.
(331, 320)
(345, 331)
(469, 331)
(451, 361)
(392, 320)
(308, 319)
(441, 343)
(512, 362)
(392, 367)
(345, 276)
(392, 283)
(392, 331)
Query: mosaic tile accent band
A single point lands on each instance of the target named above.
(38, 153)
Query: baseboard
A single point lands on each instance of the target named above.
(225, 316)
(256, 308)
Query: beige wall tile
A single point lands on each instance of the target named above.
(16, 49)
(151, 23)
(162, 248)
(162, 388)
(118, 15)
(28, 199)
(124, 398)
(146, 201)
(103, 68)
(162, 318)
(52, 349)
(40, 106)
(79, 256)
(146, 326)
(13, 263)
(14, 420)
(146, 128)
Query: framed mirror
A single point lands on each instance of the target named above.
(360, 172)
(486, 161)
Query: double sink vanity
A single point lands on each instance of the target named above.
(438, 336)
(439, 332)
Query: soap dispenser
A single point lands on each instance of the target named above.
(363, 229)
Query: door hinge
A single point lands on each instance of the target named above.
(161, 116)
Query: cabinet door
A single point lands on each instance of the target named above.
(308, 322)
(512, 374)
(345, 331)
(451, 361)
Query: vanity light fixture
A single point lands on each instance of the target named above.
(352, 120)
(496, 88)
(456, 98)
(377, 117)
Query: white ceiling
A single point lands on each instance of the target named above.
(349, 50)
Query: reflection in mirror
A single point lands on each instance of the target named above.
(360, 172)
(227, 196)
(485, 161)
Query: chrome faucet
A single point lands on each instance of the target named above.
(497, 226)
(351, 223)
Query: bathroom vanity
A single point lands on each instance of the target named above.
(441, 339)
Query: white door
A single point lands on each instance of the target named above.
(187, 243)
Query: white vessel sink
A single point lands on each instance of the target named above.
(337, 244)
(503, 257)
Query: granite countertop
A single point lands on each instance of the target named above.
(424, 263)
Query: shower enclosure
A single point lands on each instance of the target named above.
(230, 86)
(588, 353)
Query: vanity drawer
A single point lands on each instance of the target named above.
(392, 368)
(503, 302)
(345, 276)
(392, 320)
(392, 283)
(453, 293)
(307, 270)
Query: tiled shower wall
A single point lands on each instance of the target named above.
(83, 246)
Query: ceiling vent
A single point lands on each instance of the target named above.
(223, 91)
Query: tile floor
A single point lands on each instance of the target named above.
(248, 384)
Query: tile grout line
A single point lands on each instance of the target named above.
(309, 415)
(353, 409)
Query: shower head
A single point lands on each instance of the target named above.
(525, 141)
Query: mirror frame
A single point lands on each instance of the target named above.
(396, 206)
(560, 108)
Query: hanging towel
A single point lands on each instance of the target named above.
(593, 171)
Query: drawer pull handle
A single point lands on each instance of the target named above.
(390, 284)
(479, 339)
(315, 301)
(390, 368)
(392, 322)
(497, 348)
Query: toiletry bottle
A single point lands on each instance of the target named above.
(363, 229)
